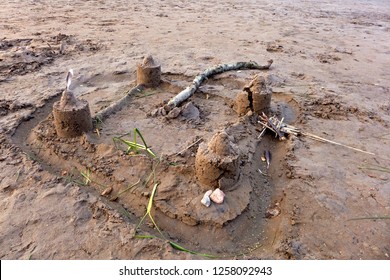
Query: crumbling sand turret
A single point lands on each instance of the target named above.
(148, 73)
(256, 97)
(217, 163)
(72, 116)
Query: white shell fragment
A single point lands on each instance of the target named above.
(206, 198)
(273, 211)
(217, 196)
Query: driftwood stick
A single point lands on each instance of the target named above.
(199, 79)
(116, 106)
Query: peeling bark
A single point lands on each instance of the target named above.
(199, 79)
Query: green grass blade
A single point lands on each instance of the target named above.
(150, 204)
(129, 143)
(369, 218)
(87, 176)
(181, 248)
(155, 225)
(375, 167)
(148, 213)
(134, 145)
(135, 137)
(140, 222)
(151, 152)
(136, 131)
(129, 187)
(145, 236)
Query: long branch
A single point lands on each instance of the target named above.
(199, 79)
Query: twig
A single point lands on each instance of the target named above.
(280, 128)
(262, 132)
(318, 138)
(116, 106)
(274, 126)
(199, 79)
(190, 146)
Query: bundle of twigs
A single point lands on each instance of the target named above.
(282, 129)
(199, 79)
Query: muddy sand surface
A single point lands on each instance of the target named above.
(84, 197)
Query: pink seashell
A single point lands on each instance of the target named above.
(217, 196)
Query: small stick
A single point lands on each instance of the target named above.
(116, 106)
(274, 128)
(262, 132)
(190, 146)
(318, 138)
(293, 130)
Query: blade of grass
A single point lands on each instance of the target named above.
(369, 218)
(136, 131)
(18, 174)
(87, 176)
(173, 244)
(145, 236)
(129, 187)
(181, 248)
(375, 167)
(148, 209)
(130, 144)
(134, 145)
(150, 204)
(141, 221)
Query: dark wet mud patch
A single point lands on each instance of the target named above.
(25, 55)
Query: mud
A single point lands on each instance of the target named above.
(227, 161)
(329, 78)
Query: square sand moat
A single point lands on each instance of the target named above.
(179, 192)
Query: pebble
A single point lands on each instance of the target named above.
(174, 113)
(107, 191)
(206, 198)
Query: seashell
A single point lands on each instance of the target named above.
(273, 211)
(206, 198)
(217, 196)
